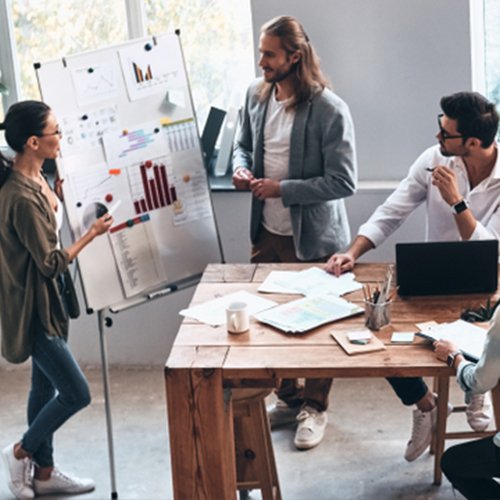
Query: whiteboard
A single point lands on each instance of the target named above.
(130, 145)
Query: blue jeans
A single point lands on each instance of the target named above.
(58, 390)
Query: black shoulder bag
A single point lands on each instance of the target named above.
(69, 295)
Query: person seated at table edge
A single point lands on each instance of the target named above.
(471, 467)
(459, 181)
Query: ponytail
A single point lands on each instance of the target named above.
(5, 169)
(5, 164)
(23, 119)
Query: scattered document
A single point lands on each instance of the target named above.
(305, 314)
(469, 338)
(213, 312)
(272, 283)
(312, 281)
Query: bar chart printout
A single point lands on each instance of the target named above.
(150, 187)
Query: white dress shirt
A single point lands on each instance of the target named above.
(417, 188)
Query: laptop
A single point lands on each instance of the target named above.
(211, 132)
(447, 267)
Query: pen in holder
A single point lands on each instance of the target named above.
(377, 315)
(378, 303)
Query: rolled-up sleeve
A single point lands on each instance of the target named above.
(483, 376)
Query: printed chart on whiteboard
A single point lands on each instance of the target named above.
(131, 147)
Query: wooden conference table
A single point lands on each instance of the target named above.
(205, 362)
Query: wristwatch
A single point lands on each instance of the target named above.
(450, 360)
(460, 206)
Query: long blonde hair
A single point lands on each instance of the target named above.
(307, 77)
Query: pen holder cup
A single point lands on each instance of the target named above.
(377, 315)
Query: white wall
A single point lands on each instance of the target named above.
(390, 60)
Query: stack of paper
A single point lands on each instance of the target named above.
(213, 312)
(312, 281)
(304, 314)
(467, 337)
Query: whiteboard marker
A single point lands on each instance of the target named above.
(160, 293)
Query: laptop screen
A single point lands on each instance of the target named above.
(448, 267)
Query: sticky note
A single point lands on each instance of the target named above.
(427, 325)
(359, 336)
(402, 337)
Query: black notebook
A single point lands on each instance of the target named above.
(448, 267)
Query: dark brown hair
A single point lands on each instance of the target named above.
(307, 77)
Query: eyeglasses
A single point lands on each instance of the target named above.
(57, 132)
(445, 135)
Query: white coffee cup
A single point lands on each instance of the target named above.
(237, 317)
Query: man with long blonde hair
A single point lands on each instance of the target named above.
(295, 152)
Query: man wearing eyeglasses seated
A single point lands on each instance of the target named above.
(459, 181)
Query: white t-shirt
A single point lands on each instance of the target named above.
(277, 133)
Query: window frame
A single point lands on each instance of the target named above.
(477, 41)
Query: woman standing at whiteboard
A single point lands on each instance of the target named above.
(33, 317)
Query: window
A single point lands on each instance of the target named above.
(216, 36)
(56, 28)
(492, 49)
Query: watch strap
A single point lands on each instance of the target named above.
(450, 360)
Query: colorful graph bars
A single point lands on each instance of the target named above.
(140, 76)
(157, 191)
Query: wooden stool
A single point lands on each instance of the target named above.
(255, 464)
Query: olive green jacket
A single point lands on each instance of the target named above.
(30, 262)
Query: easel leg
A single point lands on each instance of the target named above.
(107, 405)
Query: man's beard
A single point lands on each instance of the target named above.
(279, 76)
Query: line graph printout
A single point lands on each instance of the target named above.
(95, 83)
(96, 191)
(148, 72)
(136, 255)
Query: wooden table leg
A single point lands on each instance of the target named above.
(201, 435)
(443, 385)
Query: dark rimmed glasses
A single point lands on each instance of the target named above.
(445, 135)
(58, 132)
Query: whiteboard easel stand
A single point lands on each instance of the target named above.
(107, 322)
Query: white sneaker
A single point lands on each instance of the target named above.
(421, 433)
(280, 414)
(311, 428)
(62, 483)
(19, 473)
(424, 423)
(479, 411)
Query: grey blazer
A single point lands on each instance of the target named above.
(322, 170)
